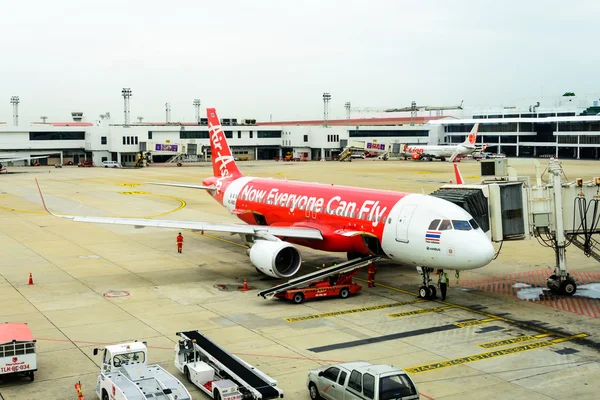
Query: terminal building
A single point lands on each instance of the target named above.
(566, 128)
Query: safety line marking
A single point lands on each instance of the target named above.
(491, 354)
(350, 311)
(218, 238)
(521, 324)
(518, 339)
(474, 322)
(417, 312)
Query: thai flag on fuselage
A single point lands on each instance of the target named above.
(433, 236)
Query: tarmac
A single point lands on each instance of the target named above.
(104, 284)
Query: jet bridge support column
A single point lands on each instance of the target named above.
(560, 281)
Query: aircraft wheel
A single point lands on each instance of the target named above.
(344, 293)
(298, 298)
(568, 287)
(424, 292)
(433, 291)
(443, 158)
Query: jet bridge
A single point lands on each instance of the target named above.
(557, 214)
(320, 274)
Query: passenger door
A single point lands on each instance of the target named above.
(403, 222)
(327, 382)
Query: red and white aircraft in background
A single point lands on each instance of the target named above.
(411, 229)
(444, 152)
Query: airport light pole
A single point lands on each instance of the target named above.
(168, 112)
(43, 118)
(326, 98)
(348, 106)
(126, 93)
(196, 104)
(14, 100)
(140, 119)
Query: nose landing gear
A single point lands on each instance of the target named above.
(427, 290)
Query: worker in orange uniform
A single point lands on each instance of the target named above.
(179, 243)
(371, 275)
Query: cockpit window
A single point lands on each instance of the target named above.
(434, 224)
(474, 224)
(461, 225)
(446, 225)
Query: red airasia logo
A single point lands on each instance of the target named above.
(15, 359)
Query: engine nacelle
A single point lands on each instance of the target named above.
(277, 259)
(416, 156)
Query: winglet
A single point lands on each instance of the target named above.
(44, 202)
(458, 175)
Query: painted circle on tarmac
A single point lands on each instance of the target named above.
(116, 293)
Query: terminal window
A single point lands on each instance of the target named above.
(56, 135)
(306, 138)
(103, 140)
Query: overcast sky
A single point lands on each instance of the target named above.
(254, 58)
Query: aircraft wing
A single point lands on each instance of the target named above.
(21, 158)
(295, 232)
(185, 185)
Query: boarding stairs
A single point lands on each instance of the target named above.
(319, 275)
(176, 158)
(245, 375)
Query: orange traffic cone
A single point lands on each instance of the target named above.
(245, 287)
(79, 392)
(30, 279)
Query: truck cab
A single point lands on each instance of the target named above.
(116, 356)
(361, 380)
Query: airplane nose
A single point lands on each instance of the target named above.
(482, 253)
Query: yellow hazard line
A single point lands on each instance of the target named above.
(350, 311)
(474, 322)
(491, 354)
(506, 342)
(524, 325)
(221, 239)
(417, 312)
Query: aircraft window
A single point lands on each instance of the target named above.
(389, 220)
(474, 224)
(446, 225)
(461, 225)
(434, 224)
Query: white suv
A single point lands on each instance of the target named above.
(111, 164)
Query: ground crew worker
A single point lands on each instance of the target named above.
(371, 275)
(179, 243)
(442, 282)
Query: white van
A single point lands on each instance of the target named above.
(360, 380)
(111, 164)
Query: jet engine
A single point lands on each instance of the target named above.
(416, 156)
(277, 259)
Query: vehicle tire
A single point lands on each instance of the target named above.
(298, 298)
(31, 376)
(424, 292)
(432, 291)
(106, 166)
(344, 293)
(216, 395)
(313, 392)
(179, 164)
(568, 287)
(105, 395)
(186, 371)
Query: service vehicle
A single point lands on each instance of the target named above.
(17, 350)
(124, 375)
(338, 285)
(86, 163)
(220, 374)
(111, 164)
(361, 380)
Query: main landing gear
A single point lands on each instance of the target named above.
(427, 290)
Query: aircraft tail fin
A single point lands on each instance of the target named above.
(472, 138)
(223, 162)
(458, 175)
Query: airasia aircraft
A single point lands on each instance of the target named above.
(411, 229)
(442, 152)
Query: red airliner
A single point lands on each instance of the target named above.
(411, 229)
